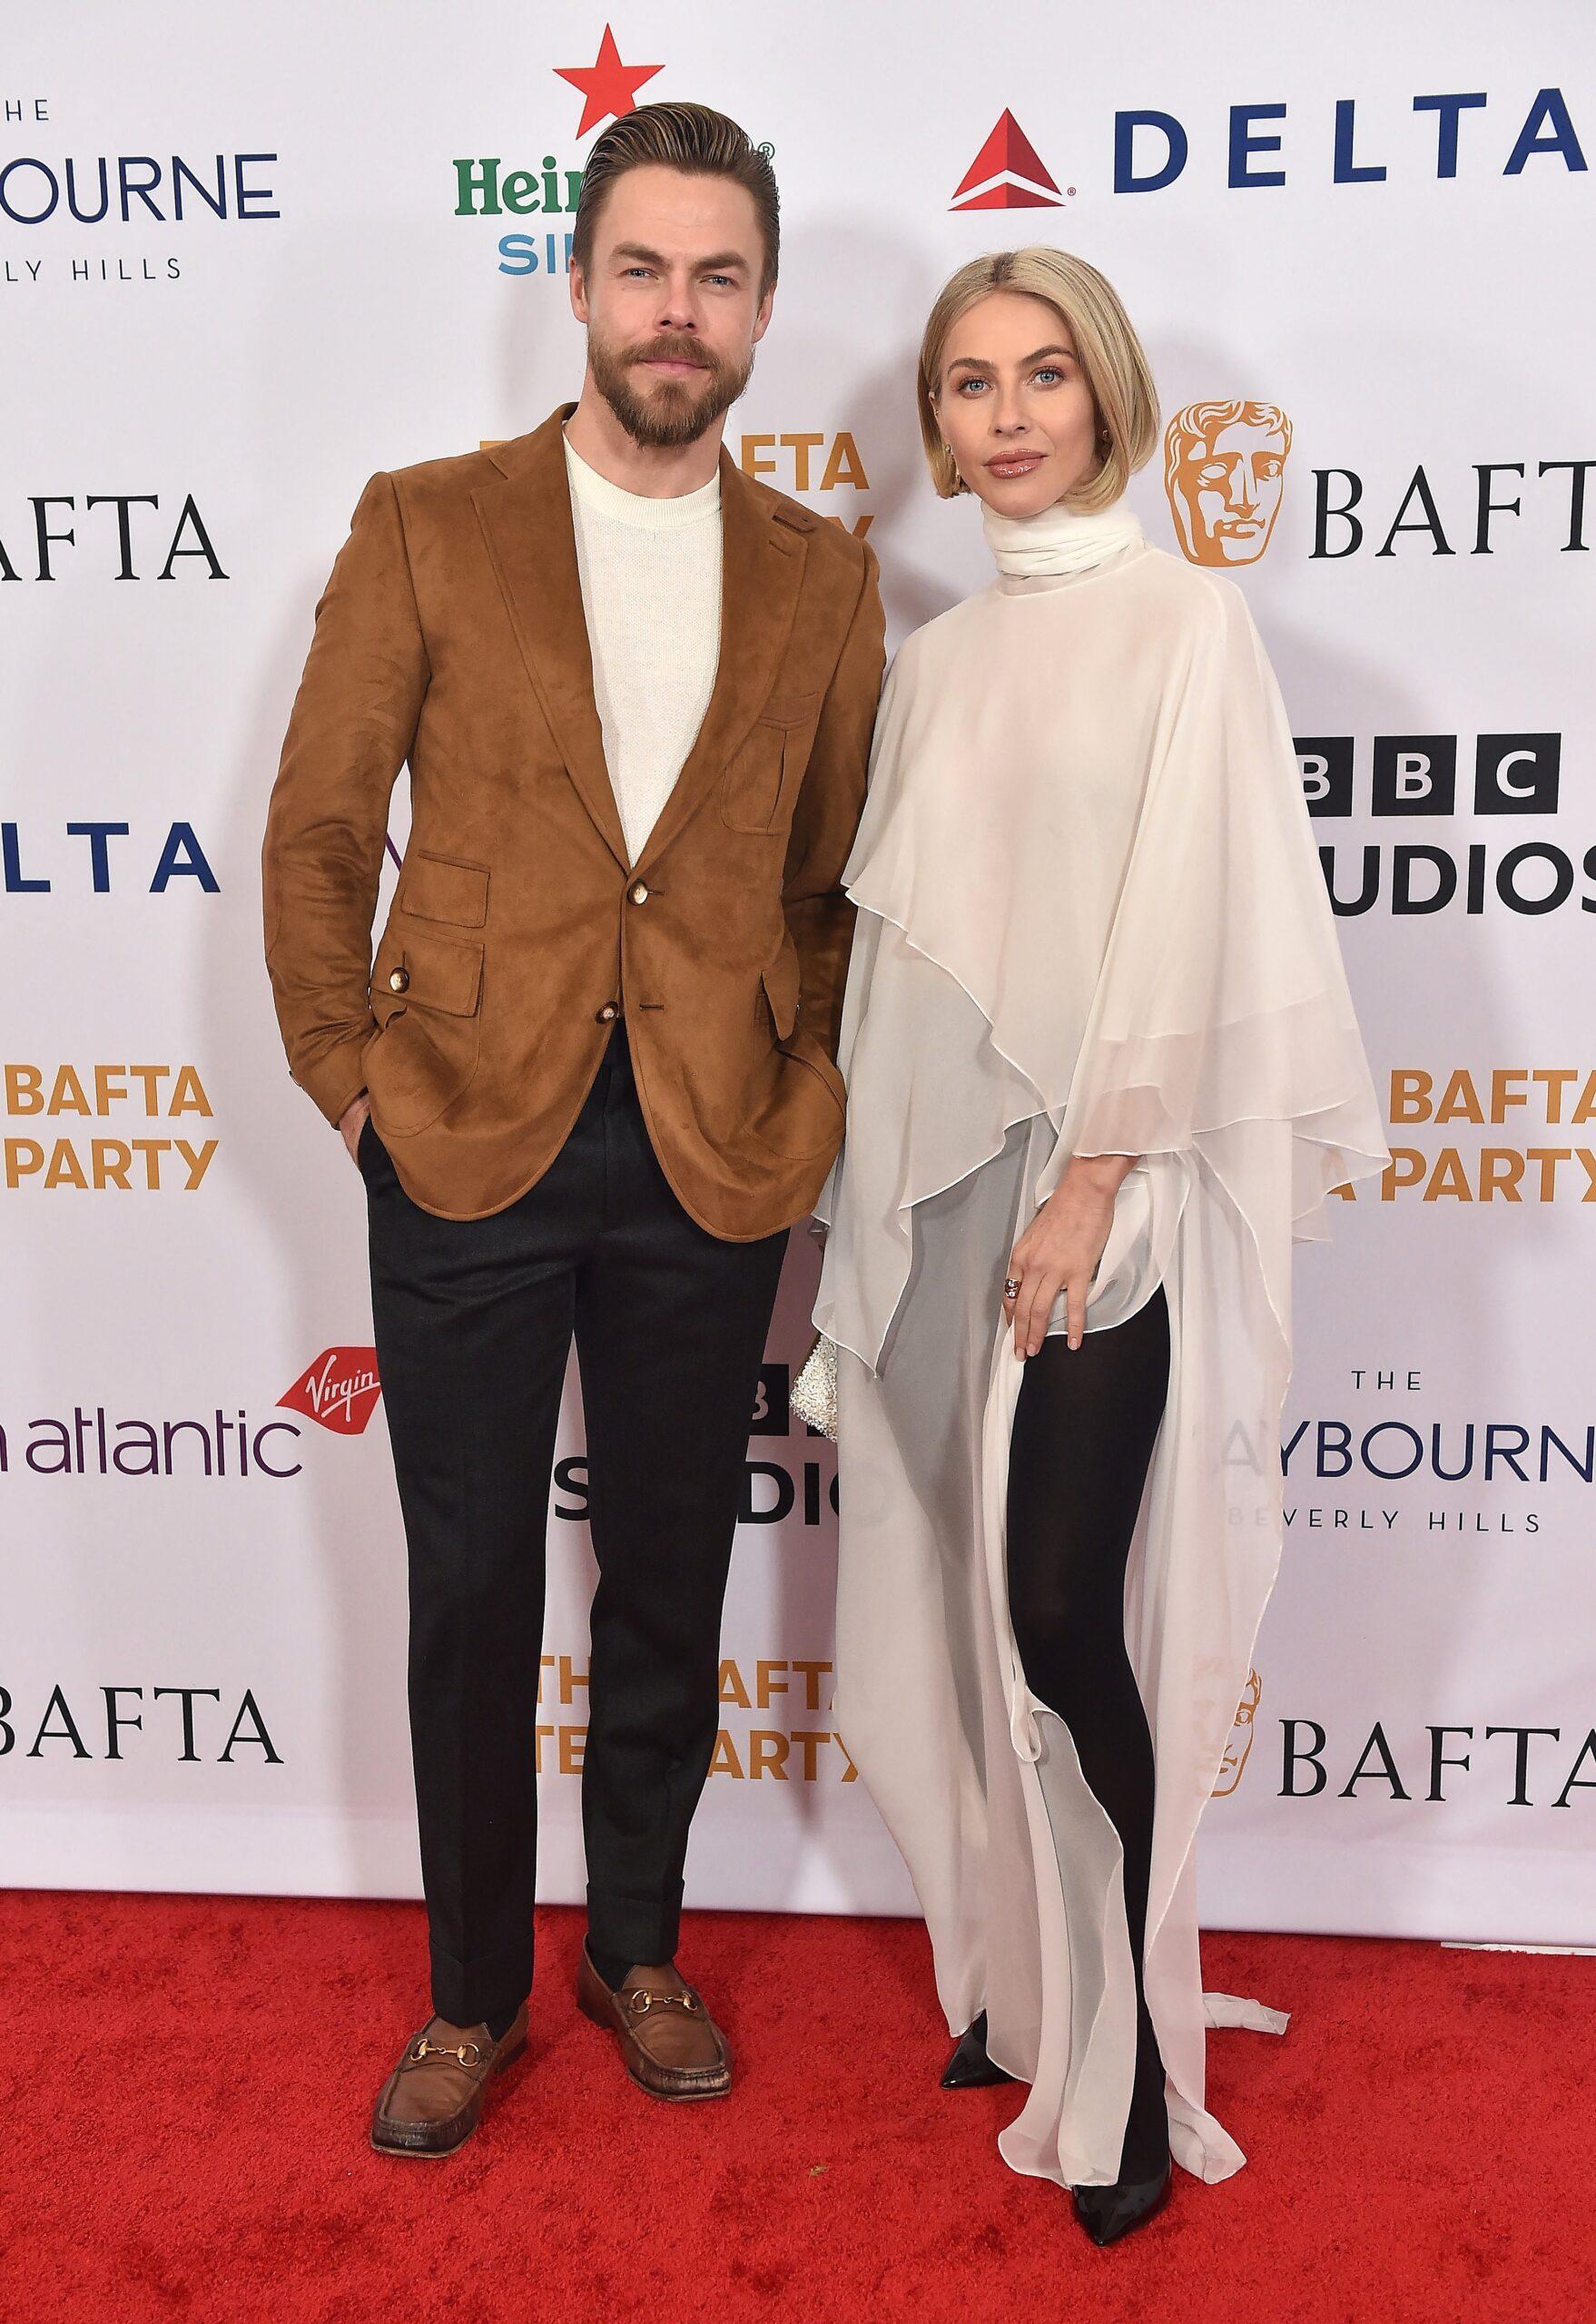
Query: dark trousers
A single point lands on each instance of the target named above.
(474, 1321)
(1085, 1426)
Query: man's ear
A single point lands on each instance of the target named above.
(578, 285)
(762, 320)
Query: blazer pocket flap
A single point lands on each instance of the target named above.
(436, 886)
(441, 974)
(781, 982)
(790, 709)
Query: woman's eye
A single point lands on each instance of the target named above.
(970, 383)
(1047, 371)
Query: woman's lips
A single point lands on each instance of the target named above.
(1014, 464)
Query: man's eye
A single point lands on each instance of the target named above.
(639, 270)
(721, 278)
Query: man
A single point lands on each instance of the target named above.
(589, 1076)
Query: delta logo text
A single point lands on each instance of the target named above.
(1257, 147)
(491, 185)
(88, 859)
(92, 206)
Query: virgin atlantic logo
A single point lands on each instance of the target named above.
(338, 1390)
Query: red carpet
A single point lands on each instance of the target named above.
(187, 2081)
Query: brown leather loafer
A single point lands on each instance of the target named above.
(431, 2101)
(670, 2045)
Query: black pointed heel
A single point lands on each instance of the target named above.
(1108, 2212)
(969, 2068)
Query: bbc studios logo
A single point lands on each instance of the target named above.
(1435, 780)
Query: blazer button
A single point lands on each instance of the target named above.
(640, 893)
(399, 980)
(607, 1011)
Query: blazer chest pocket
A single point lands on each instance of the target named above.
(758, 787)
(437, 887)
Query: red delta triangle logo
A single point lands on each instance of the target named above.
(338, 1390)
(1008, 173)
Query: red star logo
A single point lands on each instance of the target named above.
(608, 87)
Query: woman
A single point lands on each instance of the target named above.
(1103, 1068)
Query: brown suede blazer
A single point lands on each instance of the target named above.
(452, 634)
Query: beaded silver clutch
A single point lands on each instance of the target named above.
(814, 1389)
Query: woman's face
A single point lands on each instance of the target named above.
(1013, 404)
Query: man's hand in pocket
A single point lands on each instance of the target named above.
(351, 1122)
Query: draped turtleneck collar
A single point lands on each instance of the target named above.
(1059, 539)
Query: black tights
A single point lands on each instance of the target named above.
(1083, 1434)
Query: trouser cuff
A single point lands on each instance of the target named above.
(634, 1928)
(489, 1984)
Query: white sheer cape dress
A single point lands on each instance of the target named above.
(1091, 919)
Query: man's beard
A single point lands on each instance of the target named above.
(670, 413)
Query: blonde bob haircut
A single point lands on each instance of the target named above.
(1123, 398)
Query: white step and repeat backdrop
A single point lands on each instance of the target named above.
(248, 257)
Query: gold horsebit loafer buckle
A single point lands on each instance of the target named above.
(426, 2049)
(643, 1998)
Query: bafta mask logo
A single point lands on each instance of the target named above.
(1224, 471)
(1241, 1738)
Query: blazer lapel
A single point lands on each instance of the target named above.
(527, 522)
